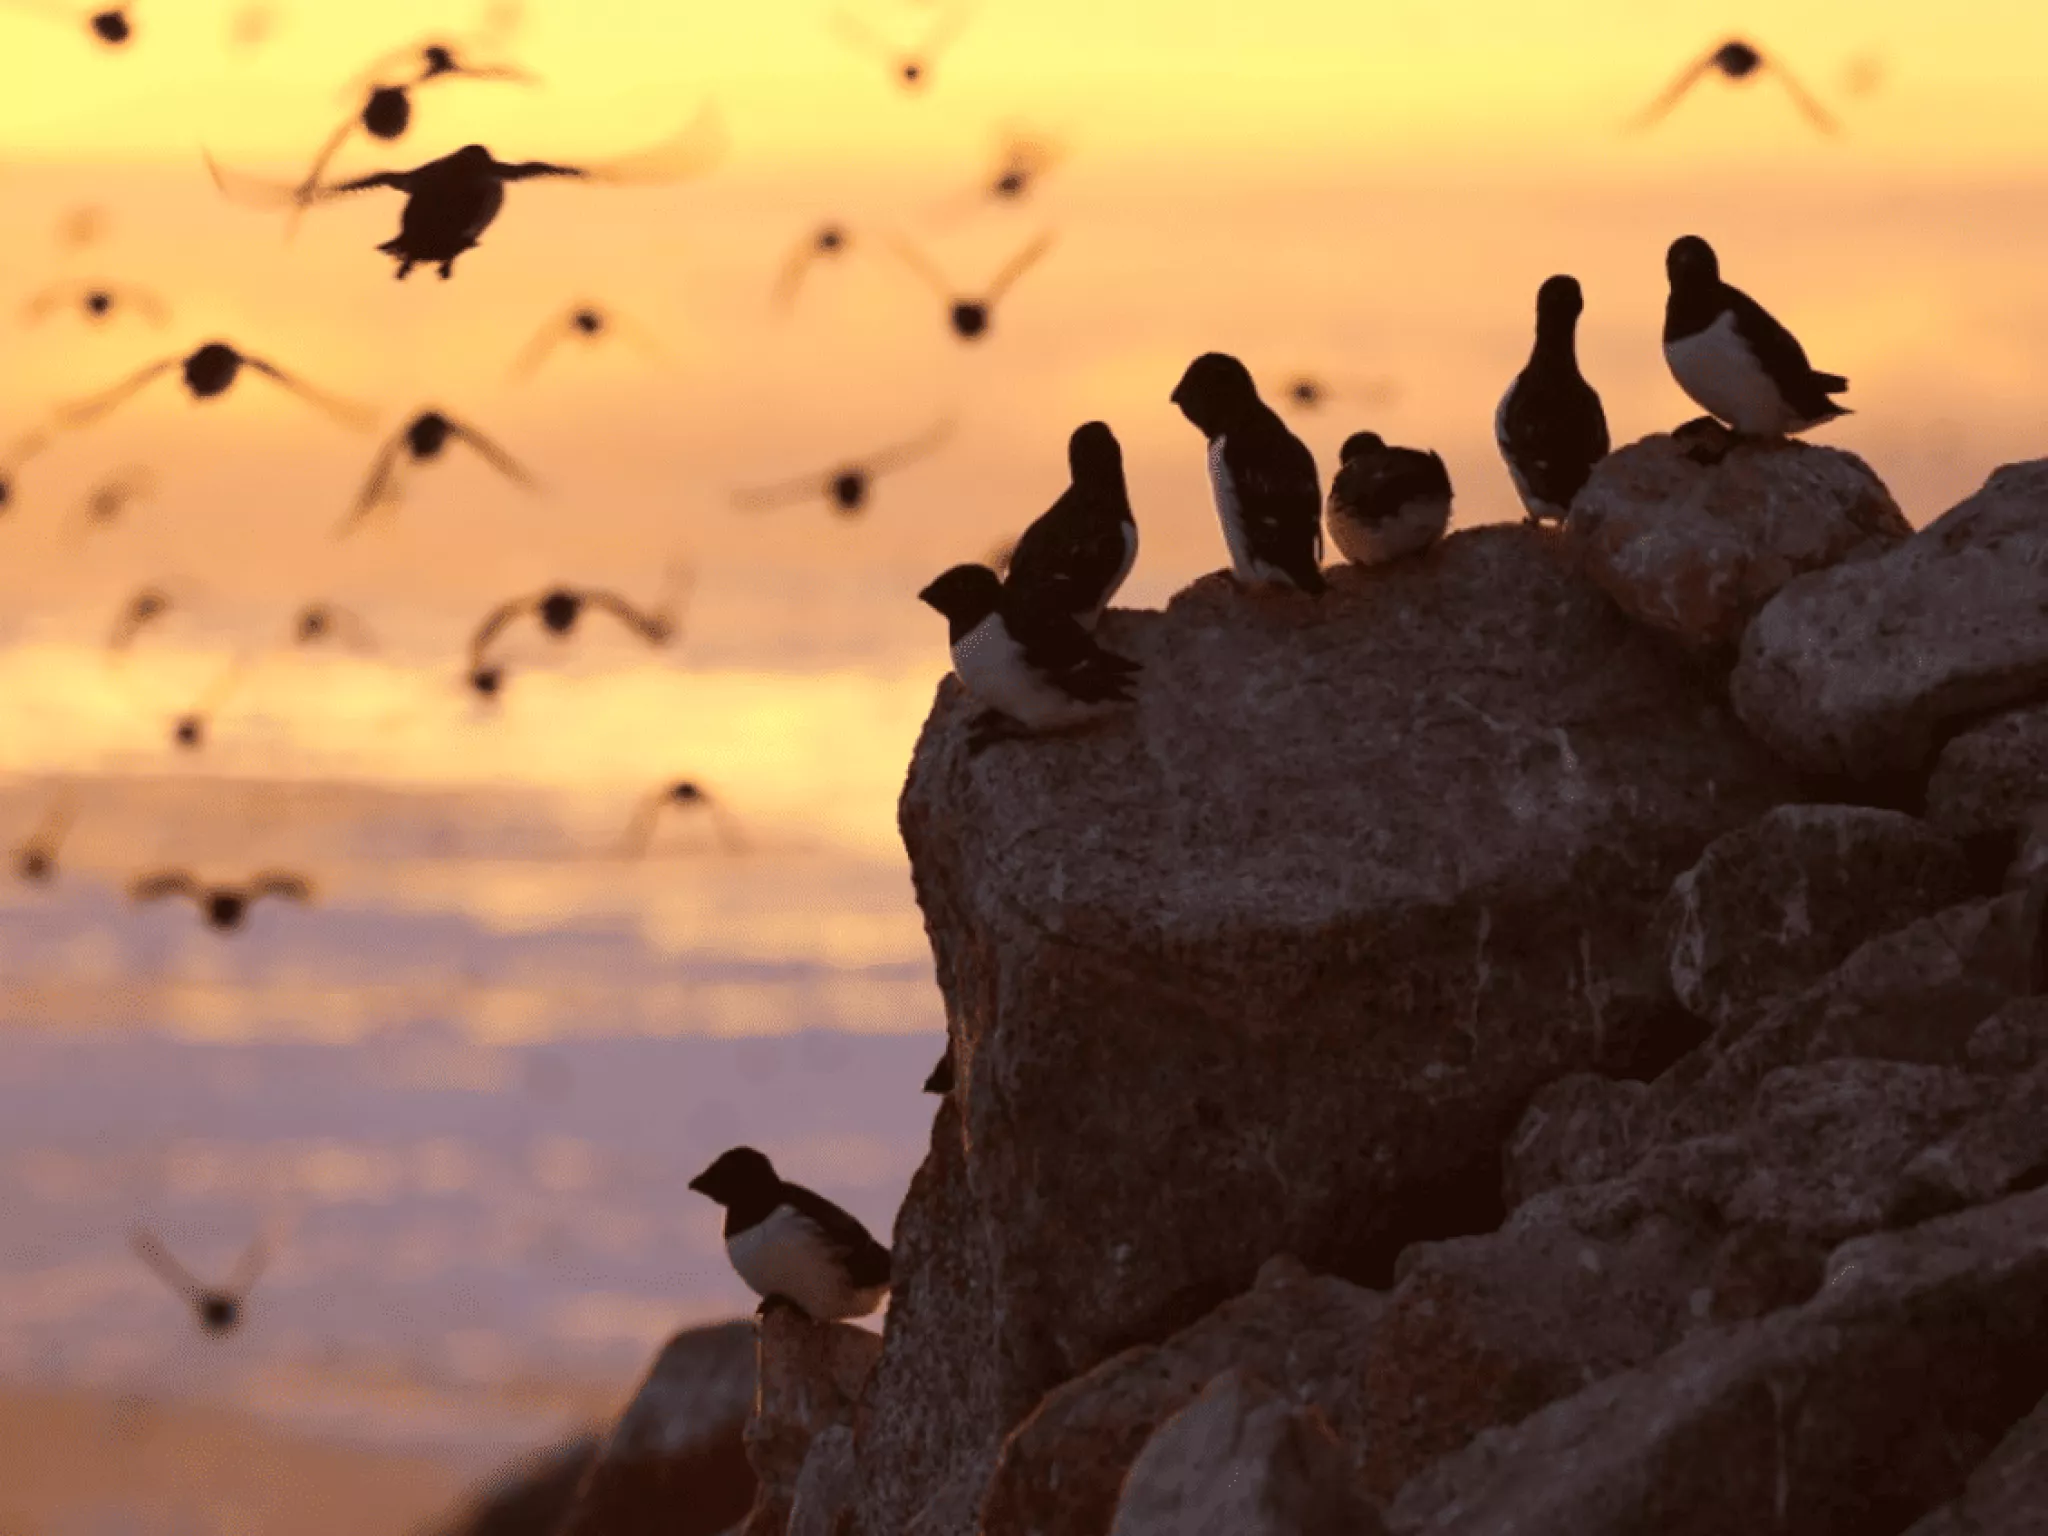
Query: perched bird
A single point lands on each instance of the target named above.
(1549, 425)
(223, 907)
(1035, 668)
(789, 1243)
(970, 315)
(109, 25)
(420, 441)
(95, 302)
(450, 202)
(558, 609)
(1072, 559)
(584, 323)
(318, 623)
(1268, 493)
(1386, 502)
(912, 67)
(1738, 61)
(1727, 352)
(828, 242)
(137, 614)
(35, 857)
(686, 794)
(218, 1308)
(845, 487)
(207, 372)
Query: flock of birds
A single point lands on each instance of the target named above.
(1021, 629)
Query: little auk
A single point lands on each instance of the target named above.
(1080, 549)
(790, 1244)
(1386, 502)
(1268, 494)
(1731, 356)
(1549, 425)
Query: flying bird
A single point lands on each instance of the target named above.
(1731, 356)
(35, 857)
(970, 315)
(103, 505)
(683, 795)
(1386, 502)
(845, 487)
(558, 609)
(912, 67)
(109, 25)
(318, 623)
(1549, 425)
(1269, 497)
(18, 453)
(137, 614)
(421, 441)
(222, 907)
(1023, 160)
(95, 303)
(1073, 558)
(1738, 61)
(1311, 392)
(792, 1245)
(218, 1308)
(586, 324)
(188, 730)
(81, 226)
(208, 372)
(828, 242)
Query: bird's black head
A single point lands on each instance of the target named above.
(210, 370)
(1559, 302)
(970, 318)
(738, 1176)
(388, 112)
(1691, 262)
(911, 71)
(427, 434)
(1011, 183)
(219, 1312)
(849, 490)
(147, 605)
(438, 60)
(966, 595)
(34, 864)
(685, 792)
(1094, 456)
(313, 623)
(472, 157)
(588, 321)
(1736, 59)
(560, 609)
(97, 302)
(189, 732)
(1216, 390)
(1306, 392)
(487, 680)
(112, 26)
(831, 239)
(1359, 444)
(226, 909)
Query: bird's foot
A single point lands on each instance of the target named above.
(990, 727)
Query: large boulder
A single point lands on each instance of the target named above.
(811, 1375)
(1854, 1413)
(676, 1464)
(1694, 545)
(1992, 779)
(2008, 1494)
(1864, 670)
(1272, 963)
(532, 1497)
(1780, 903)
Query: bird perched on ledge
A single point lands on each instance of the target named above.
(1731, 356)
(791, 1244)
(1268, 494)
(1077, 553)
(1550, 425)
(1386, 502)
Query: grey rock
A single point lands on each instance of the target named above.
(2008, 1494)
(811, 1375)
(1992, 778)
(826, 1486)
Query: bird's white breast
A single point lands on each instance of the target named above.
(993, 667)
(786, 1255)
(1419, 523)
(1535, 505)
(1130, 533)
(1230, 512)
(1717, 368)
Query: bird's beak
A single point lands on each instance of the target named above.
(698, 1184)
(926, 597)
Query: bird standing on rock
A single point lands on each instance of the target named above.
(1268, 494)
(1550, 427)
(790, 1244)
(1080, 549)
(1387, 502)
(1733, 358)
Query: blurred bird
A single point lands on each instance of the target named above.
(420, 441)
(103, 505)
(1311, 392)
(109, 25)
(189, 730)
(1738, 61)
(828, 242)
(587, 324)
(1076, 554)
(793, 1245)
(558, 609)
(35, 857)
(845, 487)
(81, 226)
(1022, 160)
(206, 373)
(450, 202)
(1729, 353)
(222, 907)
(1269, 497)
(688, 795)
(969, 316)
(912, 67)
(137, 614)
(95, 302)
(18, 453)
(253, 25)
(318, 623)
(1386, 502)
(218, 1308)
(1549, 426)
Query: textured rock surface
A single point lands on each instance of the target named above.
(1352, 880)
(1694, 550)
(1864, 669)
(2008, 1494)
(811, 1375)
(531, 1498)
(826, 1486)
(1307, 1335)
(1241, 1460)
(1993, 777)
(1855, 1413)
(1778, 904)
(675, 1464)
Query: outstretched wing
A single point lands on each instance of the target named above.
(694, 149)
(1673, 93)
(342, 410)
(282, 883)
(380, 486)
(165, 882)
(495, 622)
(527, 170)
(1804, 99)
(81, 413)
(250, 1266)
(166, 1268)
(654, 628)
(640, 830)
(882, 461)
(544, 342)
(492, 454)
(784, 492)
(919, 263)
(1018, 265)
(145, 608)
(795, 266)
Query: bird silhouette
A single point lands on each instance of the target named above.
(18, 453)
(912, 66)
(207, 373)
(557, 610)
(35, 857)
(103, 505)
(684, 795)
(1738, 61)
(969, 315)
(218, 1309)
(1022, 160)
(95, 302)
(319, 623)
(109, 25)
(828, 242)
(137, 614)
(1311, 392)
(587, 324)
(421, 441)
(845, 487)
(189, 729)
(83, 225)
(450, 202)
(222, 907)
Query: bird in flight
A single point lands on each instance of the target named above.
(110, 25)
(222, 907)
(1022, 160)
(35, 857)
(584, 323)
(969, 315)
(103, 505)
(208, 372)
(1311, 392)
(137, 614)
(188, 730)
(912, 67)
(18, 453)
(828, 242)
(318, 623)
(684, 795)
(845, 487)
(1738, 61)
(558, 609)
(95, 303)
(218, 1309)
(421, 441)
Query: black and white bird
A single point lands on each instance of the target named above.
(1550, 426)
(787, 1242)
(35, 858)
(1035, 668)
(1077, 553)
(846, 486)
(1386, 502)
(218, 1308)
(683, 795)
(1268, 493)
(912, 67)
(1730, 355)
(558, 609)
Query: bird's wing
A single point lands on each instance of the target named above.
(280, 882)
(866, 1261)
(526, 170)
(342, 410)
(492, 454)
(166, 882)
(380, 71)
(1410, 472)
(302, 192)
(1061, 559)
(1777, 349)
(153, 308)
(858, 34)
(638, 334)
(229, 679)
(399, 181)
(166, 1268)
(250, 1266)
(896, 455)
(379, 486)
(1543, 451)
(41, 306)
(1277, 486)
(726, 828)
(691, 151)
(81, 413)
(1019, 264)
(544, 342)
(133, 618)
(1804, 99)
(510, 72)
(945, 30)
(495, 621)
(794, 266)
(1063, 651)
(1674, 92)
(352, 628)
(652, 627)
(917, 261)
(783, 492)
(640, 830)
